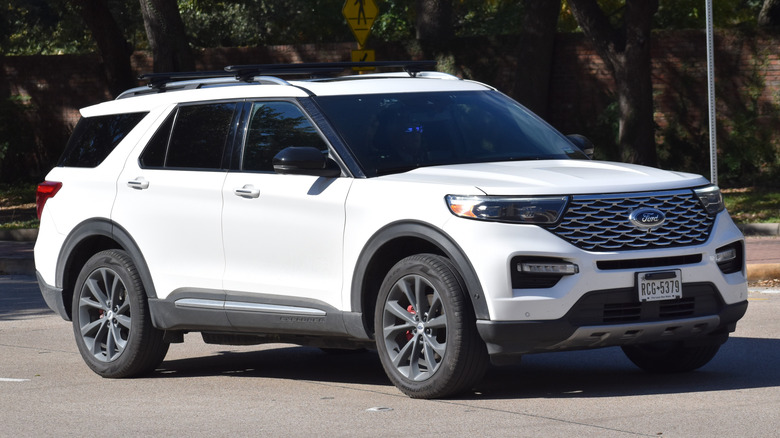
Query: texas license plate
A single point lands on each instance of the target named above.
(659, 285)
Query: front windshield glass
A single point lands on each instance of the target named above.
(391, 133)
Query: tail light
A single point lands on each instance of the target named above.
(46, 190)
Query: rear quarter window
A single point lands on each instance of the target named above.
(94, 138)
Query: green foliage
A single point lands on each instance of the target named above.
(691, 14)
(263, 22)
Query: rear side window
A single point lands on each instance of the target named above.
(95, 137)
(194, 137)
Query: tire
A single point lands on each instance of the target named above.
(670, 357)
(111, 319)
(425, 329)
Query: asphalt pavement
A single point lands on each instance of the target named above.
(763, 252)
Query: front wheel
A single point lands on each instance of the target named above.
(426, 331)
(111, 319)
(670, 357)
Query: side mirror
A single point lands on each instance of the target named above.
(305, 161)
(582, 143)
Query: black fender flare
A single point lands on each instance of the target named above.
(101, 227)
(433, 236)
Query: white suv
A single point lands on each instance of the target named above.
(431, 218)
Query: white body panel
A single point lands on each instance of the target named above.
(288, 240)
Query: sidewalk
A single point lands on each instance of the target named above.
(763, 255)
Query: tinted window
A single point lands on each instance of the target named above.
(398, 132)
(274, 126)
(199, 136)
(95, 137)
(154, 153)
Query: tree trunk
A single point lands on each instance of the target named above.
(536, 49)
(113, 47)
(626, 52)
(167, 38)
(770, 14)
(434, 21)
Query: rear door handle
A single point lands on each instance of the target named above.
(139, 183)
(248, 191)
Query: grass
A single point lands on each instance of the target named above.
(746, 205)
(17, 206)
(753, 205)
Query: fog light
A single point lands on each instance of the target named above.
(725, 255)
(552, 268)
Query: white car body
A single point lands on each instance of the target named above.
(297, 257)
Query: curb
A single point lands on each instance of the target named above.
(20, 235)
(759, 229)
(17, 266)
(768, 271)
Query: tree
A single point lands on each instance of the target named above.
(626, 52)
(167, 36)
(112, 45)
(434, 21)
(538, 28)
(770, 13)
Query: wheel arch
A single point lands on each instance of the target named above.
(87, 239)
(395, 242)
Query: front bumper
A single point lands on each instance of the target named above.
(615, 317)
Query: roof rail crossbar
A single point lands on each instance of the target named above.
(324, 68)
(159, 80)
(248, 73)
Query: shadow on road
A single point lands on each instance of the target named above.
(20, 298)
(742, 363)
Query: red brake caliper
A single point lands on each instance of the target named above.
(409, 334)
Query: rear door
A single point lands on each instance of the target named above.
(170, 197)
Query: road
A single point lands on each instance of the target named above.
(284, 390)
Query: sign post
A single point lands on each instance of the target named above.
(360, 15)
(711, 95)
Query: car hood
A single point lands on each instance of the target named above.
(547, 177)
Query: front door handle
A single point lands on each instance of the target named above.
(248, 191)
(139, 183)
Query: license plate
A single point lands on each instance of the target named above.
(659, 285)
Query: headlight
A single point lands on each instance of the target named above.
(526, 210)
(711, 198)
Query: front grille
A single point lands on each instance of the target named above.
(600, 222)
(622, 306)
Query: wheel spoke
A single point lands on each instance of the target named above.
(395, 309)
(404, 287)
(94, 288)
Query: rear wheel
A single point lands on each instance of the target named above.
(426, 331)
(111, 319)
(670, 357)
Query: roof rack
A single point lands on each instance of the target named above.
(248, 73)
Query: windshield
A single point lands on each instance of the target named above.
(390, 133)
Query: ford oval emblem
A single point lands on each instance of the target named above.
(646, 218)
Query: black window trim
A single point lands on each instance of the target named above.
(230, 140)
(236, 162)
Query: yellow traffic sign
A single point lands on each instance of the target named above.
(360, 15)
(363, 56)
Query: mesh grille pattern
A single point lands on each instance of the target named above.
(600, 223)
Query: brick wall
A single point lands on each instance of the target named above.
(52, 88)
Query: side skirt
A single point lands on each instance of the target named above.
(246, 313)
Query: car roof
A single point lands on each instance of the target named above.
(165, 88)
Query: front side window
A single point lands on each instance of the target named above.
(94, 138)
(390, 133)
(274, 126)
(193, 137)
